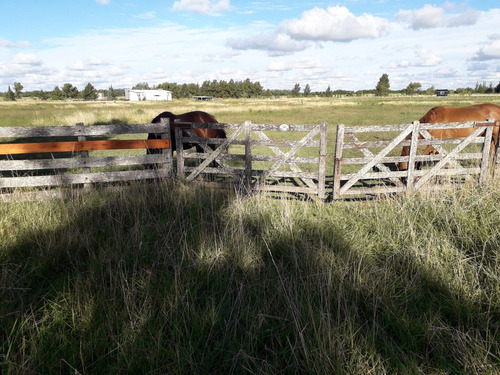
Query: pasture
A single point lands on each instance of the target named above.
(179, 278)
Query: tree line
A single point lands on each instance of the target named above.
(231, 89)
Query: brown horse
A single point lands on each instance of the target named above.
(478, 112)
(196, 117)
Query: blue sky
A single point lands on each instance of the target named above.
(341, 44)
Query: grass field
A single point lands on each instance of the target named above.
(179, 279)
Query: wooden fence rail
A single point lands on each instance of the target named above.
(67, 155)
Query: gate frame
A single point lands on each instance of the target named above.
(254, 180)
(415, 180)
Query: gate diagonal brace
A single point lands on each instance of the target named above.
(432, 172)
(293, 166)
(215, 154)
(376, 160)
(444, 152)
(289, 154)
(369, 154)
(205, 148)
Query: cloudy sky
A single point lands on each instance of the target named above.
(342, 44)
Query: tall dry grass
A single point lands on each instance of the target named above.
(174, 278)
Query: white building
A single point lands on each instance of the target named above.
(152, 95)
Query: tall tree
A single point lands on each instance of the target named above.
(89, 92)
(412, 88)
(141, 86)
(382, 88)
(296, 90)
(307, 90)
(17, 89)
(57, 94)
(328, 91)
(70, 91)
(10, 96)
(111, 93)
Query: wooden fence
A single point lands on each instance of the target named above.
(366, 157)
(280, 158)
(67, 155)
(256, 157)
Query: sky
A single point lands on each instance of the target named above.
(345, 45)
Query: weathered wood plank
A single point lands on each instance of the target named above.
(83, 178)
(337, 168)
(91, 162)
(322, 161)
(68, 131)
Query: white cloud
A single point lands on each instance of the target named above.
(426, 58)
(146, 15)
(88, 64)
(26, 59)
(202, 6)
(431, 17)
(9, 44)
(488, 52)
(334, 24)
(103, 2)
(276, 44)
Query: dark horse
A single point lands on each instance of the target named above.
(196, 117)
(478, 112)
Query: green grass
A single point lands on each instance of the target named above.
(178, 278)
(174, 278)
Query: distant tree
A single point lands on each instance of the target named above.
(57, 94)
(17, 89)
(9, 95)
(497, 88)
(483, 88)
(42, 95)
(465, 91)
(328, 91)
(430, 91)
(382, 88)
(89, 92)
(141, 86)
(296, 90)
(69, 91)
(307, 90)
(412, 88)
(111, 93)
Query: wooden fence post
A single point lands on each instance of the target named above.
(322, 160)
(83, 154)
(167, 153)
(487, 158)
(178, 148)
(248, 154)
(410, 177)
(337, 167)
